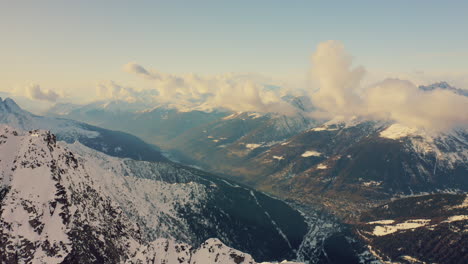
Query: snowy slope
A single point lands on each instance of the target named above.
(57, 206)
(172, 201)
(49, 204)
(168, 251)
(450, 148)
(212, 251)
(153, 203)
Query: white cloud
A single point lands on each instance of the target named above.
(135, 68)
(336, 80)
(341, 94)
(339, 89)
(419, 77)
(110, 90)
(34, 91)
(404, 102)
(236, 92)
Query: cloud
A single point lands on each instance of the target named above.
(404, 102)
(340, 93)
(339, 89)
(134, 68)
(34, 91)
(249, 96)
(336, 79)
(109, 90)
(420, 77)
(235, 92)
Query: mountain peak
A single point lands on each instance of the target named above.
(9, 105)
(442, 85)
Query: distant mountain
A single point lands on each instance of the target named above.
(444, 86)
(422, 229)
(116, 106)
(114, 143)
(36, 106)
(60, 207)
(154, 124)
(206, 139)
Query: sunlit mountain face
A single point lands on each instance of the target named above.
(241, 132)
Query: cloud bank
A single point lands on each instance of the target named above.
(340, 94)
(338, 90)
(113, 91)
(235, 92)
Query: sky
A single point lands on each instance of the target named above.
(67, 48)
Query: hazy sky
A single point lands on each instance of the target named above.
(72, 45)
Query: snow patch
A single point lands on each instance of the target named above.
(255, 115)
(311, 153)
(323, 128)
(322, 166)
(409, 224)
(381, 222)
(397, 131)
(456, 218)
(464, 204)
(252, 146)
(372, 183)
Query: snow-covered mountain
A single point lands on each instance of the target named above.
(168, 200)
(51, 212)
(60, 207)
(367, 162)
(110, 142)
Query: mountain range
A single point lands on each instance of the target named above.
(277, 187)
(300, 158)
(69, 202)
